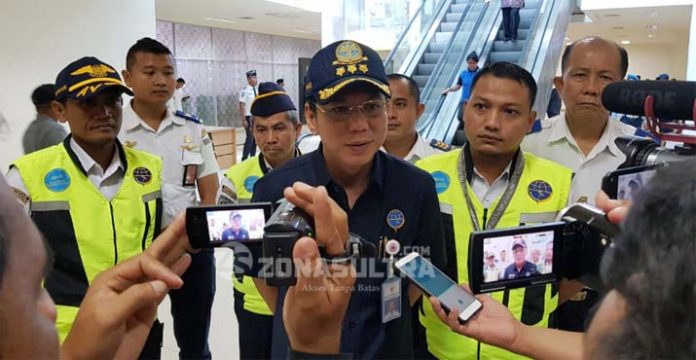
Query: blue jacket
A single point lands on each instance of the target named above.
(466, 77)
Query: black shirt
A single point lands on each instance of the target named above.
(398, 189)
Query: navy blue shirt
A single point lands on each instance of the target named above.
(230, 234)
(398, 191)
(466, 77)
(527, 270)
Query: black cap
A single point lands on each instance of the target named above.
(271, 100)
(43, 95)
(250, 73)
(86, 77)
(342, 63)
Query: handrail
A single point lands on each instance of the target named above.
(406, 29)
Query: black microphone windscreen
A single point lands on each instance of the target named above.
(673, 100)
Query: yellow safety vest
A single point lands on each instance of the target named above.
(532, 305)
(86, 232)
(244, 175)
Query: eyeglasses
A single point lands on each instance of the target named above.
(370, 109)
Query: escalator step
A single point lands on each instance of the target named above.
(421, 79)
(522, 34)
(425, 69)
(442, 37)
(431, 57)
(452, 17)
(448, 26)
(531, 4)
(458, 8)
(437, 47)
(509, 56)
(509, 45)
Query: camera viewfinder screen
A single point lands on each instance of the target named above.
(630, 184)
(517, 256)
(236, 225)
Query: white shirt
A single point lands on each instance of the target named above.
(487, 193)
(247, 96)
(106, 181)
(177, 101)
(179, 143)
(556, 143)
(423, 148)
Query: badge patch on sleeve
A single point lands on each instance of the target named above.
(20, 195)
(539, 190)
(57, 180)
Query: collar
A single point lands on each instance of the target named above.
(43, 117)
(85, 163)
(470, 170)
(377, 172)
(417, 148)
(132, 120)
(266, 167)
(560, 130)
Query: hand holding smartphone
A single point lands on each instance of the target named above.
(435, 283)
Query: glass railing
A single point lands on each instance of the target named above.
(414, 34)
(466, 38)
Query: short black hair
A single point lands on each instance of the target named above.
(412, 85)
(506, 70)
(43, 95)
(472, 56)
(623, 54)
(181, 80)
(145, 45)
(651, 264)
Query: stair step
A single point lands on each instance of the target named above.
(420, 79)
(431, 57)
(509, 45)
(522, 34)
(426, 69)
(509, 56)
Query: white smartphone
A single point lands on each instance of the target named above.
(435, 283)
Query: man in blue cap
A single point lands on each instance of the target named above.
(276, 128)
(346, 97)
(97, 202)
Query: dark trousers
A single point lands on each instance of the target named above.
(152, 350)
(255, 331)
(249, 142)
(511, 22)
(191, 307)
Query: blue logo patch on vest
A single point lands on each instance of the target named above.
(142, 175)
(249, 183)
(539, 190)
(57, 180)
(395, 219)
(442, 181)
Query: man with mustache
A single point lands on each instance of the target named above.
(96, 202)
(491, 184)
(275, 129)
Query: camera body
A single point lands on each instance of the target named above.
(571, 248)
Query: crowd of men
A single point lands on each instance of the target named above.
(107, 200)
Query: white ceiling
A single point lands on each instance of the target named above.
(247, 15)
(646, 25)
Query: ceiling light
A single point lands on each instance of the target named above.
(282, 15)
(302, 31)
(625, 42)
(654, 14)
(652, 27)
(651, 36)
(220, 20)
(612, 15)
(246, 18)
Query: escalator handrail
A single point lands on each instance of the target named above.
(438, 68)
(407, 29)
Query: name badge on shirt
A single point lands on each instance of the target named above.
(391, 299)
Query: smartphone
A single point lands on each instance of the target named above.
(225, 225)
(516, 257)
(624, 184)
(435, 283)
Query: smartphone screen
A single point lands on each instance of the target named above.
(518, 256)
(235, 225)
(628, 185)
(435, 283)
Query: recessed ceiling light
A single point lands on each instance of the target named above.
(625, 42)
(246, 18)
(282, 15)
(612, 15)
(654, 14)
(652, 27)
(302, 31)
(220, 20)
(651, 36)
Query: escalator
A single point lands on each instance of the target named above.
(543, 26)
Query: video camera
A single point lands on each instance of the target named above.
(570, 248)
(662, 103)
(259, 224)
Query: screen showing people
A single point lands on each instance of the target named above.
(517, 256)
(630, 184)
(236, 225)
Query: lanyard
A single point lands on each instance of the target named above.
(504, 201)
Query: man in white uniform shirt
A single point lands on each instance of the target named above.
(189, 167)
(246, 97)
(403, 141)
(582, 137)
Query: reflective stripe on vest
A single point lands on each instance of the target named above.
(525, 304)
(87, 233)
(244, 175)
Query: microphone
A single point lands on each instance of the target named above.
(673, 100)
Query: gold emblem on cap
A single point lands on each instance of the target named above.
(100, 70)
(348, 54)
(188, 143)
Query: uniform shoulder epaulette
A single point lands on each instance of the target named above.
(536, 127)
(188, 117)
(440, 145)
